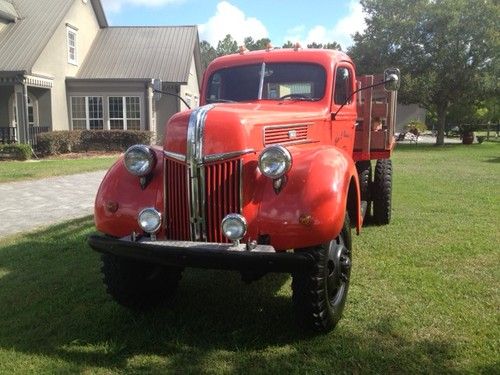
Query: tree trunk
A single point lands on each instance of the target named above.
(441, 117)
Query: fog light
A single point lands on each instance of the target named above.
(149, 220)
(234, 227)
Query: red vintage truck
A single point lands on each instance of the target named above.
(269, 174)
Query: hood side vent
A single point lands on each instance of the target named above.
(284, 134)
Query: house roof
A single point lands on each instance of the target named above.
(7, 11)
(22, 41)
(142, 53)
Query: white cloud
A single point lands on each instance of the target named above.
(229, 19)
(341, 32)
(117, 5)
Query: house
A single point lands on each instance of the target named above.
(63, 67)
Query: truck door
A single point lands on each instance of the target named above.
(344, 122)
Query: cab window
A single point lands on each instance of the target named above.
(343, 85)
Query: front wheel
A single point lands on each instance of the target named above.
(138, 285)
(319, 296)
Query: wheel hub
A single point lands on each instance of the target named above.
(339, 266)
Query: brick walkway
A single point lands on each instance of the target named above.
(28, 205)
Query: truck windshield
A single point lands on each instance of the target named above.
(272, 81)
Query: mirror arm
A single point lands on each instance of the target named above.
(356, 91)
(172, 94)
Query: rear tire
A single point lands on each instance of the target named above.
(382, 192)
(364, 169)
(319, 297)
(138, 285)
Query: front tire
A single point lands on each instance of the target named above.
(138, 285)
(319, 297)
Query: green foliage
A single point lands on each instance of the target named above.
(416, 127)
(61, 142)
(208, 54)
(15, 151)
(447, 50)
(333, 45)
(58, 142)
(113, 140)
(227, 46)
(255, 45)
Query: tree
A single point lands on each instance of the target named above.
(208, 54)
(227, 46)
(256, 45)
(447, 50)
(288, 44)
(332, 45)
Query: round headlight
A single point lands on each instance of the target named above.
(234, 227)
(275, 161)
(149, 220)
(139, 160)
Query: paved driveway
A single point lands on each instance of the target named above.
(28, 205)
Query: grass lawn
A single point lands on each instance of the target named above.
(26, 170)
(424, 294)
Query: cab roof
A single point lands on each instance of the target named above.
(324, 57)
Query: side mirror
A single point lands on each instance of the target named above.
(392, 79)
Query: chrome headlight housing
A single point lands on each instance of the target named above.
(139, 160)
(275, 161)
(149, 220)
(234, 227)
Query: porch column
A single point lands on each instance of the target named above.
(151, 115)
(21, 100)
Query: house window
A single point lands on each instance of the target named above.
(87, 113)
(124, 112)
(71, 40)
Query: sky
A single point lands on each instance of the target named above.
(321, 21)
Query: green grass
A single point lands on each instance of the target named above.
(424, 295)
(27, 170)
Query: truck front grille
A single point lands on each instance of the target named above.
(221, 196)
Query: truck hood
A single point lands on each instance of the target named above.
(232, 127)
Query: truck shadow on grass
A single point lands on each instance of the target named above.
(54, 308)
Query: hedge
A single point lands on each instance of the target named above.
(15, 151)
(60, 142)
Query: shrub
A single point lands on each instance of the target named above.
(60, 142)
(16, 151)
(416, 127)
(113, 140)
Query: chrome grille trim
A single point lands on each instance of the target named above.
(195, 175)
(226, 155)
(175, 156)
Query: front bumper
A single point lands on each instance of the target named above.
(205, 255)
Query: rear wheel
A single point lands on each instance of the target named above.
(138, 285)
(319, 297)
(364, 169)
(382, 192)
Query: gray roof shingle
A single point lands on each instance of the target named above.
(141, 53)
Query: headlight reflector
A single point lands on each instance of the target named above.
(275, 161)
(234, 227)
(139, 160)
(149, 220)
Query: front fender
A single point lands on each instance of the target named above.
(124, 190)
(311, 207)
